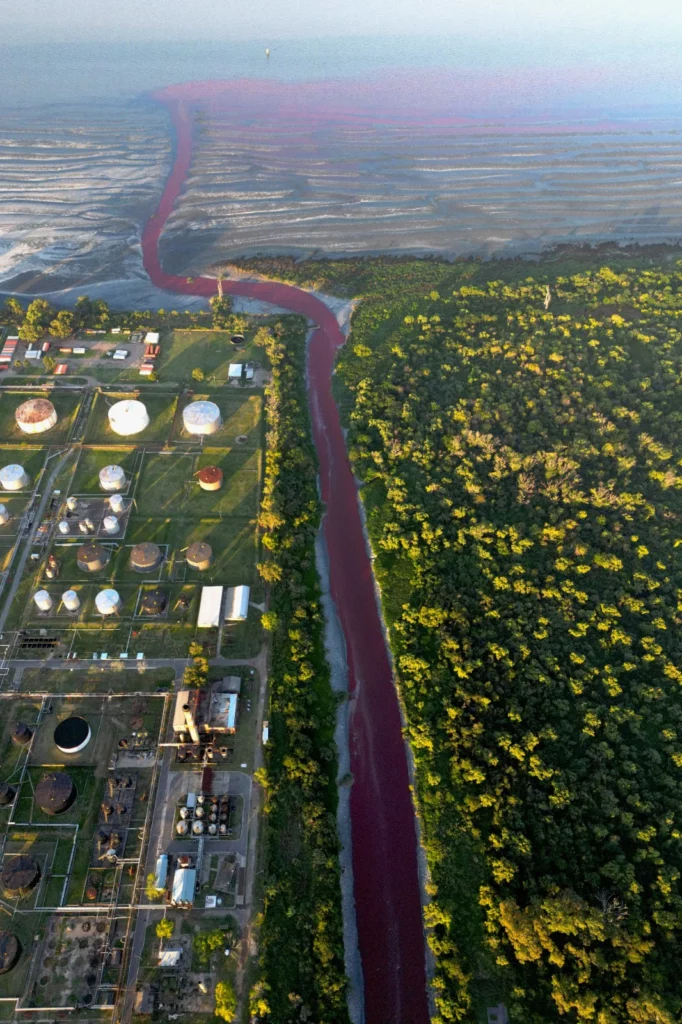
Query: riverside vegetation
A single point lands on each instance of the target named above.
(521, 453)
(301, 938)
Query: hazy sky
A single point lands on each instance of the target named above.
(600, 22)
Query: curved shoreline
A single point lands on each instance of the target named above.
(384, 845)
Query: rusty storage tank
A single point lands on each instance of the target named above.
(55, 793)
(72, 735)
(153, 603)
(210, 478)
(92, 557)
(112, 478)
(36, 416)
(10, 951)
(19, 875)
(7, 794)
(145, 557)
(21, 734)
(199, 555)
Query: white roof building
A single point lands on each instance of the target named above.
(235, 371)
(169, 957)
(209, 607)
(161, 871)
(151, 338)
(224, 712)
(184, 885)
(237, 604)
(179, 719)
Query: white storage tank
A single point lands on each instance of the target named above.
(4, 515)
(202, 418)
(112, 478)
(128, 417)
(14, 478)
(110, 524)
(108, 602)
(36, 416)
(116, 503)
(71, 600)
(64, 527)
(43, 601)
(198, 828)
(72, 503)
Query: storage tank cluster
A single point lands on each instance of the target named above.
(202, 418)
(36, 416)
(128, 417)
(14, 478)
(207, 818)
(112, 478)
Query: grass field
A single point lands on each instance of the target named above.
(92, 460)
(15, 507)
(233, 542)
(65, 404)
(211, 350)
(239, 495)
(116, 677)
(160, 408)
(164, 482)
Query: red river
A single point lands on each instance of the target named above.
(386, 884)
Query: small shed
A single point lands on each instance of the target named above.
(235, 371)
(209, 607)
(170, 957)
(237, 604)
(161, 875)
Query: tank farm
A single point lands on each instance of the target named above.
(384, 845)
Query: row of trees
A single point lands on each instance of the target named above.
(523, 482)
(301, 942)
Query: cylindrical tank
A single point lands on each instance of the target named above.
(108, 602)
(71, 600)
(7, 794)
(21, 734)
(19, 875)
(199, 813)
(210, 478)
(153, 603)
(110, 525)
(116, 503)
(184, 812)
(36, 416)
(201, 418)
(64, 528)
(10, 951)
(72, 735)
(83, 527)
(112, 478)
(223, 830)
(201, 799)
(199, 555)
(55, 793)
(14, 478)
(212, 829)
(72, 503)
(43, 601)
(198, 828)
(145, 557)
(89, 525)
(182, 828)
(4, 515)
(92, 557)
(128, 417)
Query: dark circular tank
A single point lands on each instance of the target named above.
(72, 735)
(21, 734)
(55, 793)
(7, 794)
(199, 555)
(92, 557)
(10, 951)
(19, 875)
(153, 602)
(145, 557)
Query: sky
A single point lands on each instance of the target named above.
(601, 23)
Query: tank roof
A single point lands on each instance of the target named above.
(91, 552)
(72, 734)
(20, 873)
(55, 793)
(145, 555)
(7, 794)
(154, 602)
(10, 951)
(21, 733)
(199, 551)
(210, 475)
(35, 411)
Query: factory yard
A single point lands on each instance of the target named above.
(128, 533)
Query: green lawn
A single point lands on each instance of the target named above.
(164, 480)
(15, 507)
(114, 677)
(239, 495)
(212, 351)
(92, 460)
(160, 408)
(65, 404)
(233, 542)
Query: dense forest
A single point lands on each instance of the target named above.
(301, 939)
(520, 447)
